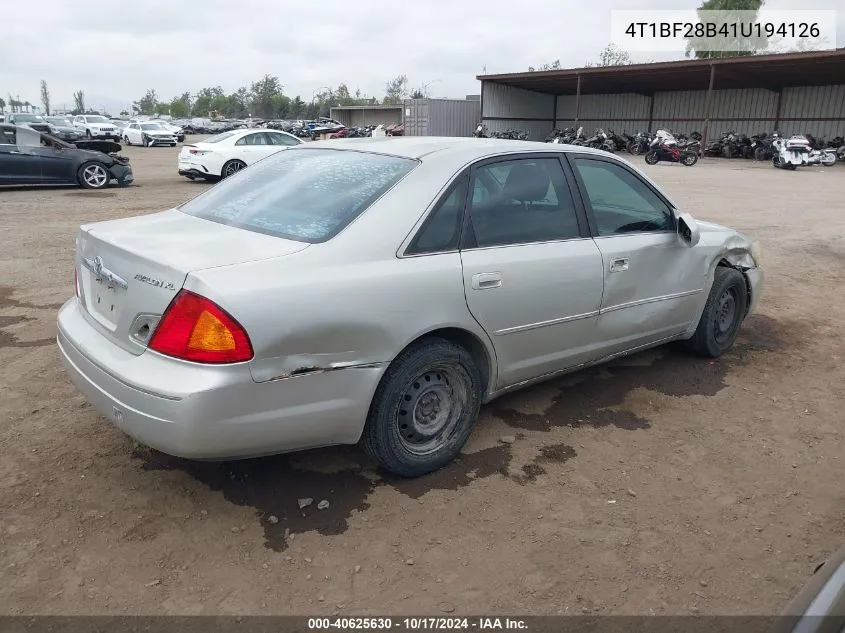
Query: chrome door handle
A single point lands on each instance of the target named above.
(619, 265)
(483, 281)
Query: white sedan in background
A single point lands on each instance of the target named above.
(225, 154)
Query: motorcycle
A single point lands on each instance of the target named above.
(761, 145)
(639, 144)
(599, 140)
(512, 135)
(826, 157)
(481, 131)
(665, 148)
(790, 153)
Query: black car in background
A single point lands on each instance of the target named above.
(62, 128)
(30, 157)
(35, 121)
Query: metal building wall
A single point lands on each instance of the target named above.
(366, 116)
(505, 102)
(441, 117)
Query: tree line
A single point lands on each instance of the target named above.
(264, 98)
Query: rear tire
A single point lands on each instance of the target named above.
(232, 167)
(723, 314)
(424, 409)
(126, 140)
(651, 157)
(689, 159)
(760, 153)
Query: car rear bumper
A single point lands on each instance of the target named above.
(211, 411)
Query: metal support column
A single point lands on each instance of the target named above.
(707, 107)
(650, 112)
(777, 110)
(577, 101)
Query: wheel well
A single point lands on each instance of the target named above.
(469, 342)
(724, 263)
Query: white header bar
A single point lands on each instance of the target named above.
(766, 31)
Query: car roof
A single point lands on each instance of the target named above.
(469, 148)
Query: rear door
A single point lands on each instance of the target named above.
(532, 274)
(19, 164)
(652, 281)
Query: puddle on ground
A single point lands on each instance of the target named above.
(272, 485)
(7, 339)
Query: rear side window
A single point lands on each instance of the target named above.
(442, 229)
(7, 136)
(307, 195)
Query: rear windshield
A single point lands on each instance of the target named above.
(307, 195)
(219, 137)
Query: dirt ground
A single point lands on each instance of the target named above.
(665, 484)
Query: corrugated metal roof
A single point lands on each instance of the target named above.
(817, 68)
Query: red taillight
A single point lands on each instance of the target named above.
(197, 329)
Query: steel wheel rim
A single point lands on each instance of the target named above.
(234, 168)
(726, 312)
(95, 176)
(430, 409)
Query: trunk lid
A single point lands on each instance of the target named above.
(129, 270)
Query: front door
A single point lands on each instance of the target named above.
(652, 281)
(532, 275)
(57, 164)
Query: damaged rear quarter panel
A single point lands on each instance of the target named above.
(305, 317)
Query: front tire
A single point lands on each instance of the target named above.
(424, 409)
(651, 157)
(723, 313)
(93, 175)
(232, 167)
(828, 160)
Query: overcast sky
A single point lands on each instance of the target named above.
(115, 51)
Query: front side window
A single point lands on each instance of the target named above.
(307, 195)
(520, 202)
(28, 138)
(621, 202)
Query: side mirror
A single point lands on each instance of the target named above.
(688, 230)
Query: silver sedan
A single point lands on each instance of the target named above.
(380, 290)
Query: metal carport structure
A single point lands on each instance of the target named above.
(762, 90)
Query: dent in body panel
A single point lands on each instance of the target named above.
(305, 315)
